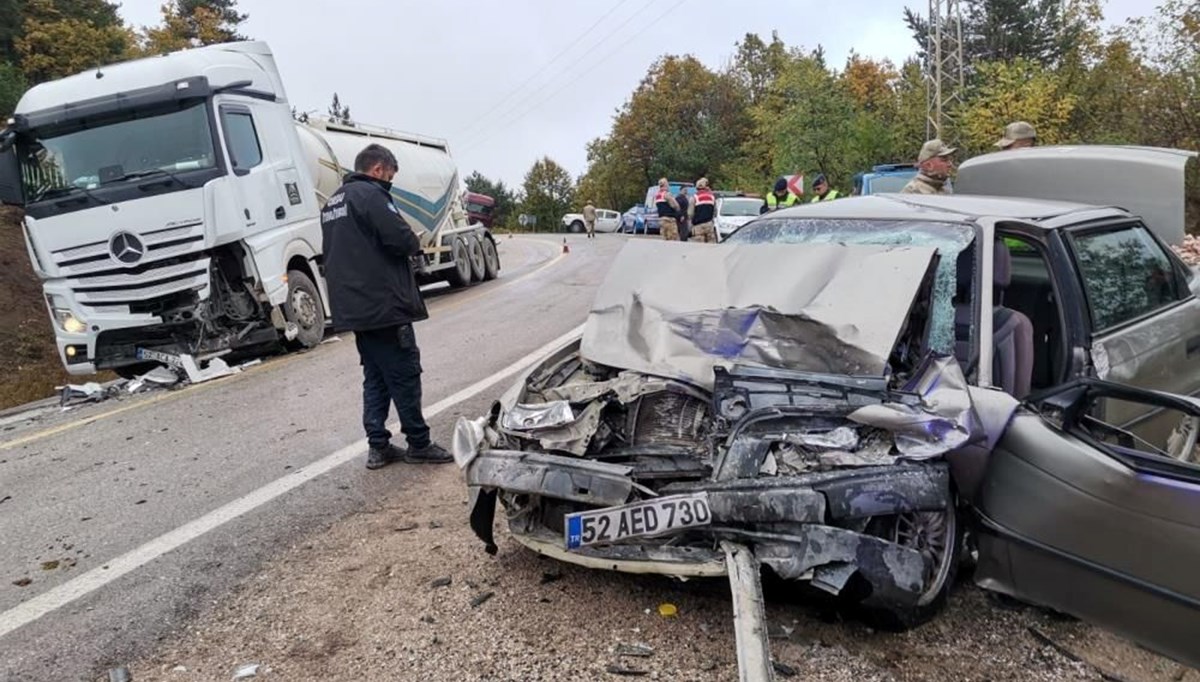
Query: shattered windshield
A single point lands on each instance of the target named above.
(949, 238)
(160, 141)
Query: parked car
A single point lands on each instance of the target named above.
(639, 220)
(606, 221)
(733, 212)
(841, 388)
(890, 178)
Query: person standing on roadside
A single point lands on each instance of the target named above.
(1018, 135)
(685, 222)
(589, 218)
(668, 211)
(373, 293)
(935, 162)
(702, 212)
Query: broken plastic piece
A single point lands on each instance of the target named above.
(332, 339)
(639, 650)
(216, 369)
(668, 610)
(247, 671)
(540, 416)
(120, 675)
(749, 614)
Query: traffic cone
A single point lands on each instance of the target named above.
(566, 249)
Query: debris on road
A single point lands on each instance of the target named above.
(783, 669)
(120, 674)
(547, 577)
(638, 650)
(91, 392)
(626, 672)
(442, 582)
(159, 376)
(668, 610)
(247, 671)
(23, 582)
(50, 565)
(332, 339)
(479, 600)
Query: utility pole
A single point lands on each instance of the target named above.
(944, 77)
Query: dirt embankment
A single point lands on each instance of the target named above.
(29, 363)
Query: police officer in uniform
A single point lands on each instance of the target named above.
(702, 211)
(373, 293)
(668, 211)
(780, 197)
(822, 190)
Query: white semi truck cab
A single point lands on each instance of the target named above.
(172, 207)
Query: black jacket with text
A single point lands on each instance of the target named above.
(367, 247)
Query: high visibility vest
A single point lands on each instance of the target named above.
(773, 201)
(663, 204)
(829, 196)
(705, 207)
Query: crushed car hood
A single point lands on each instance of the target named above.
(678, 310)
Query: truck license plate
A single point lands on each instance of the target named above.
(158, 356)
(659, 516)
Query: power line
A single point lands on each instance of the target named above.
(473, 138)
(538, 103)
(549, 63)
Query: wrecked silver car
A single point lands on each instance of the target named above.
(824, 404)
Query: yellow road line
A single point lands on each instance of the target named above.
(274, 363)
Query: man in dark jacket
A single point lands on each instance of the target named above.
(685, 222)
(373, 293)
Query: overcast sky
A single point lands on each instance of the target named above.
(509, 82)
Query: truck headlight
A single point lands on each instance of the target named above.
(63, 316)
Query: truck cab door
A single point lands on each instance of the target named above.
(265, 173)
(1081, 515)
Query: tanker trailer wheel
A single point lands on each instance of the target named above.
(478, 268)
(304, 309)
(491, 259)
(460, 275)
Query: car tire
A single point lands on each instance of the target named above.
(303, 308)
(577, 227)
(475, 249)
(939, 534)
(491, 259)
(459, 276)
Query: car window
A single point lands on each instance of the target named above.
(242, 138)
(1126, 275)
(1165, 441)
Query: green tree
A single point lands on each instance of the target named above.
(505, 199)
(54, 44)
(1043, 31)
(756, 64)
(204, 14)
(1020, 90)
(547, 193)
(339, 112)
(188, 24)
(12, 86)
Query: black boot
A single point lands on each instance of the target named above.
(378, 458)
(430, 454)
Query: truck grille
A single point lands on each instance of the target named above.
(168, 269)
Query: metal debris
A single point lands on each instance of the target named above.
(783, 669)
(247, 671)
(614, 669)
(442, 582)
(638, 650)
(120, 674)
(479, 600)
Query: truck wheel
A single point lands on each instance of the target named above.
(577, 227)
(478, 269)
(460, 275)
(491, 259)
(304, 309)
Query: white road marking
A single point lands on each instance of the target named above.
(96, 578)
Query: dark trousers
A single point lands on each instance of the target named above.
(391, 365)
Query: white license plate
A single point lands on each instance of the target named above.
(158, 356)
(641, 519)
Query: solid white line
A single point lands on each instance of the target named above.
(96, 578)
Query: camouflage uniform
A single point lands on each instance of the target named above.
(923, 184)
(668, 228)
(704, 232)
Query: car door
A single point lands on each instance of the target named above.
(1082, 516)
(1144, 319)
(607, 220)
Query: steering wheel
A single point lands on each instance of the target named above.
(1182, 443)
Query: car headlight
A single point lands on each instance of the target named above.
(63, 316)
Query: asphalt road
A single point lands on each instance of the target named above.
(82, 488)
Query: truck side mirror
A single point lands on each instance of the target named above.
(11, 190)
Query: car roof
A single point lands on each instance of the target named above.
(951, 209)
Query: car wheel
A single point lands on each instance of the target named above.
(491, 259)
(577, 227)
(475, 248)
(304, 309)
(936, 535)
(460, 275)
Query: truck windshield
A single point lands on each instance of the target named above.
(142, 144)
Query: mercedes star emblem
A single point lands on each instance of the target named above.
(126, 247)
